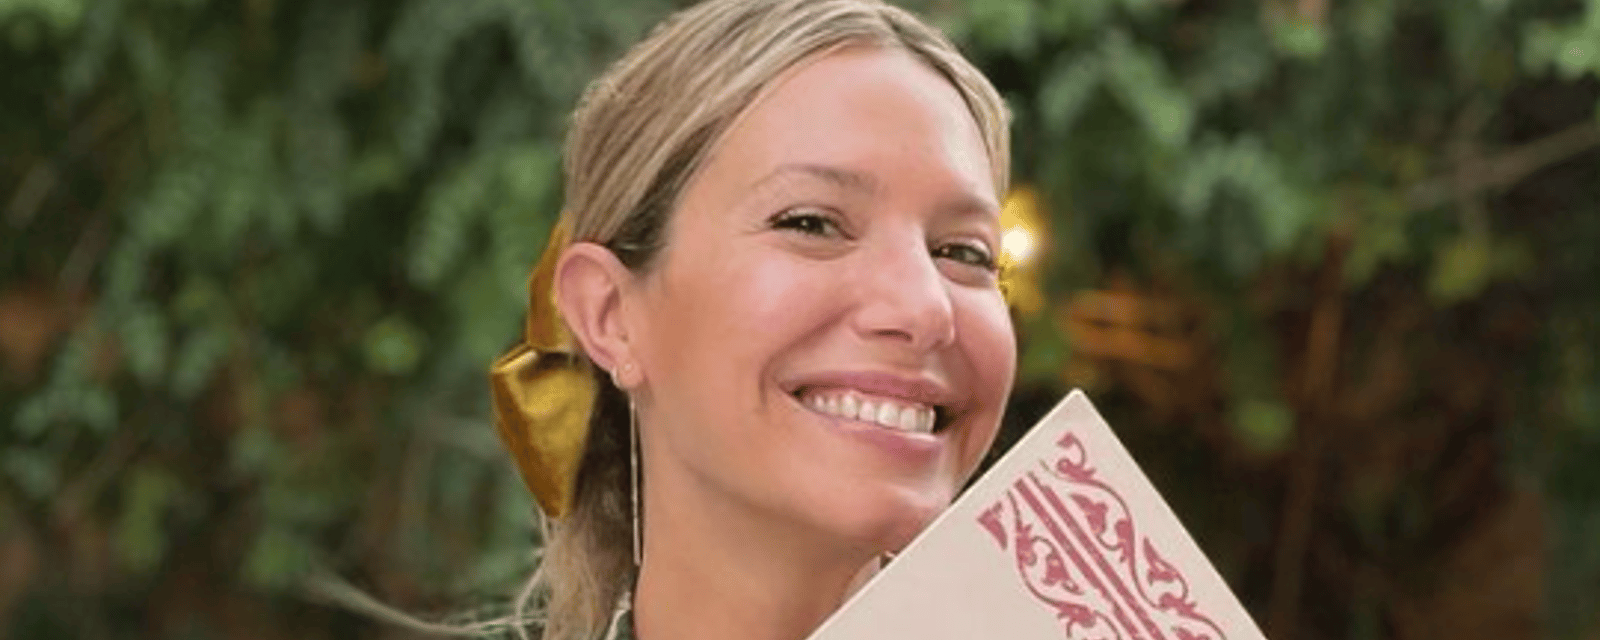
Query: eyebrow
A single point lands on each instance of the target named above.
(971, 207)
(843, 178)
(865, 183)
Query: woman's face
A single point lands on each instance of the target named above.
(822, 339)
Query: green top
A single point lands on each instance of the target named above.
(624, 627)
(622, 620)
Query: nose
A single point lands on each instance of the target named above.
(903, 296)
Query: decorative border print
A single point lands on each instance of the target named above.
(1074, 543)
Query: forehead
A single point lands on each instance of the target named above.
(865, 109)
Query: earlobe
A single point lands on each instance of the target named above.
(590, 284)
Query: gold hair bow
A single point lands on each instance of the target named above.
(543, 394)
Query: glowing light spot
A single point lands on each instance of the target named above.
(1017, 244)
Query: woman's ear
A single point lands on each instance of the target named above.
(590, 283)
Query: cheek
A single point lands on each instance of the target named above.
(719, 319)
(1000, 339)
(988, 343)
(772, 301)
(719, 327)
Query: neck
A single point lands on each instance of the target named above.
(715, 571)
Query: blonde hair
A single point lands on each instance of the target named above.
(639, 134)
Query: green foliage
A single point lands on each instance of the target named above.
(1264, 425)
(284, 238)
(146, 497)
(1570, 47)
(306, 226)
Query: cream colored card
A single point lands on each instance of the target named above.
(1063, 538)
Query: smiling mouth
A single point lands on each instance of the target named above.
(890, 413)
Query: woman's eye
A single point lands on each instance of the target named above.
(967, 254)
(807, 221)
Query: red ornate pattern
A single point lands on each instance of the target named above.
(1074, 542)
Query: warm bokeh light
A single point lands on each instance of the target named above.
(1017, 245)
(1020, 226)
(1022, 233)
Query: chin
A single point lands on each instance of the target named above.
(891, 521)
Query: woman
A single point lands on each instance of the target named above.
(781, 287)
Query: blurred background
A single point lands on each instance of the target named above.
(1331, 267)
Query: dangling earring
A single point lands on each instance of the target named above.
(633, 482)
(633, 463)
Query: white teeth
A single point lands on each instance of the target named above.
(911, 417)
(889, 415)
